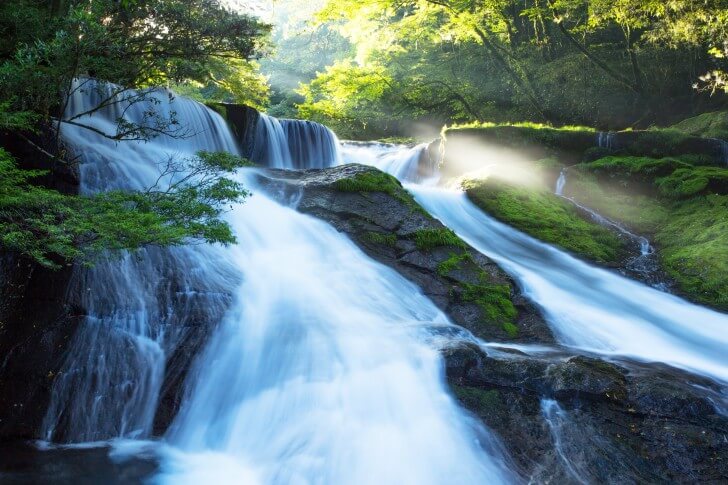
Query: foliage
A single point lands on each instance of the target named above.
(546, 217)
(53, 228)
(125, 45)
(595, 62)
(231, 81)
(709, 125)
(118, 52)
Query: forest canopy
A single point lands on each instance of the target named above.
(609, 63)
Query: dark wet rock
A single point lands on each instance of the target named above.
(607, 422)
(36, 325)
(22, 463)
(385, 225)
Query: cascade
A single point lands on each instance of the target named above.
(589, 308)
(406, 164)
(308, 376)
(139, 307)
(561, 183)
(605, 139)
(318, 377)
(556, 419)
(294, 144)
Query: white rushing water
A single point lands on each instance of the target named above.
(590, 308)
(317, 376)
(294, 144)
(318, 372)
(138, 305)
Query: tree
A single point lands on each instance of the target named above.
(119, 51)
(130, 45)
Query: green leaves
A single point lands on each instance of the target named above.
(184, 207)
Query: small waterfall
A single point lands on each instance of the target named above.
(724, 151)
(139, 306)
(605, 139)
(311, 144)
(645, 264)
(294, 144)
(561, 183)
(407, 164)
(556, 419)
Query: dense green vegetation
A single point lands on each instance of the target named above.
(540, 213)
(127, 46)
(664, 184)
(53, 228)
(709, 125)
(611, 64)
(680, 206)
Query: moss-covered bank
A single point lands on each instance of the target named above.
(683, 208)
(667, 184)
(543, 215)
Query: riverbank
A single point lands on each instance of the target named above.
(665, 186)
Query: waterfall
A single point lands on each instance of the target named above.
(587, 307)
(294, 144)
(311, 144)
(139, 306)
(561, 183)
(606, 140)
(724, 151)
(411, 164)
(309, 375)
(320, 377)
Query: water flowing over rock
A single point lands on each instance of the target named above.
(294, 144)
(143, 309)
(310, 361)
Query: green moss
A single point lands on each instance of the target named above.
(510, 329)
(709, 125)
(377, 181)
(478, 400)
(688, 182)
(453, 262)
(642, 213)
(426, 239)
(373, 181)
(659, 143)
(686, 218)
(381, 238)
(495, 301)
(546, 217)
(529, 135)
(644, 168)
(693, 245)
